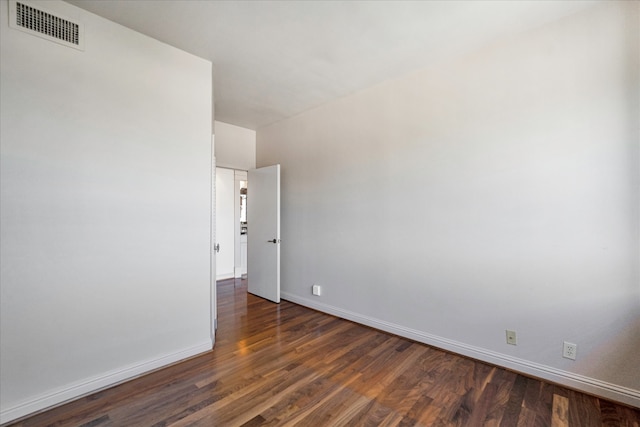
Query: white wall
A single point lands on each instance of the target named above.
(499, 190)
(235, 146)
(105, 210)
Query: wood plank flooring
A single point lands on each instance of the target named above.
(288, 365)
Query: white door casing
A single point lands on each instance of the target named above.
(212, 243)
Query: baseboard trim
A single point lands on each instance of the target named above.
(579, 382)
(81, 388)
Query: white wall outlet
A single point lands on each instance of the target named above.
(569, 350)
(316, 290)
(511, 337)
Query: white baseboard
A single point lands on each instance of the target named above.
(578, 382)
(225, 276)
(91, 385)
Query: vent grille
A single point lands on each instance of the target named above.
(46, 25)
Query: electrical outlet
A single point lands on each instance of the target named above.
(511, 337)
(569, 350)
(316, 290)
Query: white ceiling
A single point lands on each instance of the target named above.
(275, 59)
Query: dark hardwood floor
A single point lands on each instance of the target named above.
(288, 365)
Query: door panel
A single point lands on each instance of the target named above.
(263, 220)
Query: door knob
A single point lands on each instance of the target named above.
(274, 241)
(217, 247)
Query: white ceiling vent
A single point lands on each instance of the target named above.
(38, 22)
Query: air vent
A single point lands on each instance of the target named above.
(38, 22)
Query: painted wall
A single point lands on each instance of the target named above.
(497, 191)
(105, 210)
(235, 146)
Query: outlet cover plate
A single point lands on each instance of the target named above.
(511, 337)
(316, 290)
(569, 350)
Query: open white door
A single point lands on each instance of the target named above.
(263, 239)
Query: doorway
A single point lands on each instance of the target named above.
(231, 223)
(224, 245)
(235, 215)
(241, 225)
